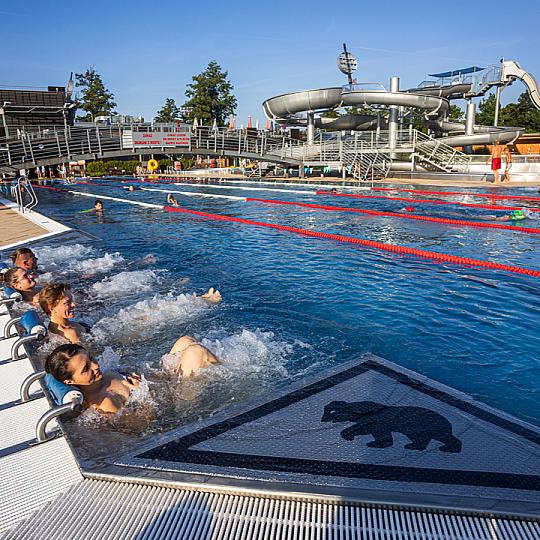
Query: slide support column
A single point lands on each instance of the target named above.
(471, 114)
(393, 118)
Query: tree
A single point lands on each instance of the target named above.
(521, 114)
(96, 99)
(209, 97)
(486, 111)
(455, 114)
(169, 112)
(330, 113)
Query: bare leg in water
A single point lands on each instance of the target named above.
(192, 356)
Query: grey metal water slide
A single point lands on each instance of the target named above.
(432, 99)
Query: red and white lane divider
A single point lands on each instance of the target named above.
(244, 188)
(438, 257)
(446, 221)
(451, 193)
(425, 201)
(432, 255)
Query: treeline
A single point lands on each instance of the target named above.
(209, 98)
(103, 168)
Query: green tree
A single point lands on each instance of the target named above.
(486, 111)
(456, 114)
(95, 98)
(331, 113)
(521, 114)
(169, 112)
(209, 97)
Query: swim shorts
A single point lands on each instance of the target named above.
(496, 164)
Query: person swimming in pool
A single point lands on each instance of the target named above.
(25, 258)
(23, 282)
(106, 391)
(56, 300)
(109, 391)
(171, 200)
(515, 215)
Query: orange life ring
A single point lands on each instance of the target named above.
(153, 165)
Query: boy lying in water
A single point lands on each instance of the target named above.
(22, 281)
(109, 391)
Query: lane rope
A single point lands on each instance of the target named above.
(438, 257)
(244, 188)
(448, 193)
(425, 201)
(404, 216)
(197, 194)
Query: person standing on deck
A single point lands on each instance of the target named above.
(496, 152)
(508, 159)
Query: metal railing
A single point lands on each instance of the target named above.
(439, 155)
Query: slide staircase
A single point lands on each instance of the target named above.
(435, 155)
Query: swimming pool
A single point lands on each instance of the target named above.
(292, 305)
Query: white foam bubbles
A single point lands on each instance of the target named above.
(146, 318)
(99, 265)
(51, 258)
(125, 283)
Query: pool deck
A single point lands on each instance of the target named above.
(17, 228)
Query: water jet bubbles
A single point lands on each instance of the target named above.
(125, 283)
(51, 258)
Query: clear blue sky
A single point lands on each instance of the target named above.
(148, 51)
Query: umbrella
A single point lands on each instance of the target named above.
(231, 121)
(268, 125)
(257, 124)
(214, 125)
(195, 123)
(249, 122)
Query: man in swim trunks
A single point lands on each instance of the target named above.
(496, 152)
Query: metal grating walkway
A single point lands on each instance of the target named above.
(96, 509)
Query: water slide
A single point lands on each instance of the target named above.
(433, 100)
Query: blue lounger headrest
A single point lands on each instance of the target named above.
(32, 324)
(62, 393)
(9, 292)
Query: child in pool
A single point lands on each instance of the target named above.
(23, 282)
(26, 259)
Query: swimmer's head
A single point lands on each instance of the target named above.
(131, 188)
(18, 279)
(24, 258)
(72, 364)
(56, 300)
(98, 205)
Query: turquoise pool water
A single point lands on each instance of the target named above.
(294, 305)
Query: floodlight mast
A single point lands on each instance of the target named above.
(347, 59)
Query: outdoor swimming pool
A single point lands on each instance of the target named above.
(293, 305)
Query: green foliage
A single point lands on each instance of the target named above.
(486, 111)
(522, 114)
(96, 99)
(169, 112)
(209, 97)
(330, 114)
(103, 168)
(456, 114)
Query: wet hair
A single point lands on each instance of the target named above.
(57, 361)
(9, 277)
(50, 296)
(19, 252)
(98, 201)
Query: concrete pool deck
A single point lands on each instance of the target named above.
(18, 228)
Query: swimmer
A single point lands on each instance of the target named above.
(56, 301)
(98, 208)
(132, 188)
(106, 391)
(171, 200)
(515, 215)
(23, 282)
(25, 258)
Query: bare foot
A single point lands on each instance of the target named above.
(212, 295)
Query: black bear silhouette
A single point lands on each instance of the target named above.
(369, 418)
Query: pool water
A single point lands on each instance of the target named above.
(292, 305)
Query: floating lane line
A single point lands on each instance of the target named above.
(303, 192)
(196, 194)
(403, 216)
(450, 193)
(117, 199)
(425, 201)
(437, 257)
(306, 184)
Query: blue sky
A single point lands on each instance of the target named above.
(148, 51)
